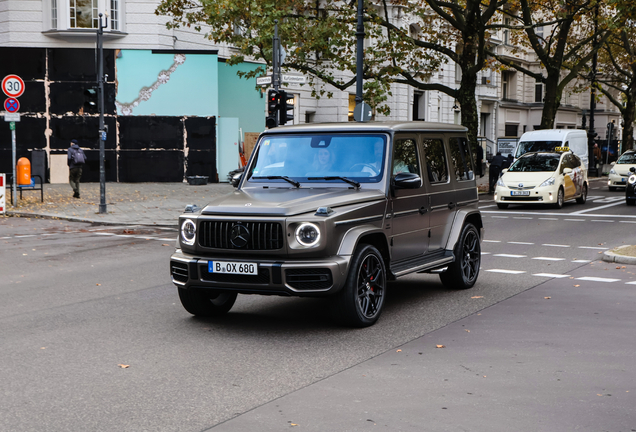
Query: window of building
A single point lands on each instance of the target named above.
(83, 14)
(538, 91)
(53, 13)
(458, 73)
(352, 106)
(512, 130)
(114, 14)
(505, 84)
(506, 32)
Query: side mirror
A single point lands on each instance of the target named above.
(236, 179)
(632, 169)
(505, 170)
(613, 163)
(567, 170)
(406, 181)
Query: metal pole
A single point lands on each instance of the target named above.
(359, 52)
(15, 178)
(276, 58)
(102, 132)
(590, 132)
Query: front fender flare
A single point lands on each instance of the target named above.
(352, 237)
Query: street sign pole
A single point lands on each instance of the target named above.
(102, 132)
(15, 177)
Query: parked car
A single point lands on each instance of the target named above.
(543, 178)
(620, 171)
(336, 210)
(630, 190)
(547, 139)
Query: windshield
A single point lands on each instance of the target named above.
(627, 158)
(536, 146)
(311, 157)
(536, 163)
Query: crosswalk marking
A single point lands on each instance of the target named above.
(597, 279)
(592, 247)
(492, 241)
(520, 243)
(505, 271)
(555, 245)
(510, 256)
(551, 275)
(548, 259)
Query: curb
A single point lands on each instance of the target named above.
(610, 256)
(91, 221)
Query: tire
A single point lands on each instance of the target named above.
(361, 300)
(630, 202)
(583, 198)
(205, 303)
(612, 189)
(560, 199)
(502, 206)
(463, 272)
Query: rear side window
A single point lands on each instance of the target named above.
(405, 157)
(462, 160)
(435, 158)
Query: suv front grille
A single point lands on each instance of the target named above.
(261, 235)
(309, 279)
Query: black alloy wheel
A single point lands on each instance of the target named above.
(360, 302)
(463, 272)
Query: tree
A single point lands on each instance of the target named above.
(319, 38)
(564, 38)
(618, 82)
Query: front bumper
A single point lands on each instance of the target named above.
(536, 195)
(314, 277)
(617, 180)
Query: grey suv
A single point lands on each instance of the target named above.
(336, 210)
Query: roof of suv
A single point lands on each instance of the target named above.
(394, 126)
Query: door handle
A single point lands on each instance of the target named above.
(423, 210)
(451, 205)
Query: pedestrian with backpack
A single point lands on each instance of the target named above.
(76, 160)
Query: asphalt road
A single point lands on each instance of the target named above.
(94, 337)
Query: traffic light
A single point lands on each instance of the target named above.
(273, 105)
(286, 107)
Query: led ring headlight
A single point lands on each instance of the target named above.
(308, 234)
(632, 179)
(188, 232)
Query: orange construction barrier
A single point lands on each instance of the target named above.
(24, 171)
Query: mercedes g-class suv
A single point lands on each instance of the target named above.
(336, 210)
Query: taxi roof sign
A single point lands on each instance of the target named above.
(562, 149)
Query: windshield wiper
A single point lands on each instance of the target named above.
(287, 179)
(344, 179)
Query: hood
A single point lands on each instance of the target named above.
(529, 179)
(287, 201)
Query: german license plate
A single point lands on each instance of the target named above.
(229, 267)
(623, 180)
(519, 193)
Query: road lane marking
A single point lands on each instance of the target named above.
(598, 220)
(574, 220)
(510, 256)
(630, 283)
(521, 217)
(505, 271)
(499, 217)
(593, 247)
(492, 241)
(551, 275)
(520, 243)
(543, 213)
(548, 259)
(581, 261)
(628, 222)
(548, 219)
(597, 279)
(598, 208)
(555, 245)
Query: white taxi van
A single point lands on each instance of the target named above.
(543, 178)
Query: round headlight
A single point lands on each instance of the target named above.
(632, 179)
(188, 232)
(307, 234)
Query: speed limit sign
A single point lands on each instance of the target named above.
(13, 86)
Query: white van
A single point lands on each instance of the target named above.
(548, 139)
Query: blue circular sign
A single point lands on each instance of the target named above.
(11, 105)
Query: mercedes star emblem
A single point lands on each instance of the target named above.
(239, 236)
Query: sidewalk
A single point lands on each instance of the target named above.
(154, 204)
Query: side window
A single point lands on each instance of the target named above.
(405, 156)
(435, 159)
(576, 161)
(462, 160)
(566, 162)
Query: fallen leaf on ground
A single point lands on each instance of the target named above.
(478, 297)
(123, 366)
(440, 346)
(398, 351)
(577, 286)
(466, 330)
(547, 298)
(98, 284)
(165, 244)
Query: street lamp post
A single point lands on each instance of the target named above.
(102, 129)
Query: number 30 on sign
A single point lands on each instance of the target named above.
(13, 86)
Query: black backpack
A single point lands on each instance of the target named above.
(78, 157)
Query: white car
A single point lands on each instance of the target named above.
(619, 173)
(543, 178)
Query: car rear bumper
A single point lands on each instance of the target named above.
(276, 277)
